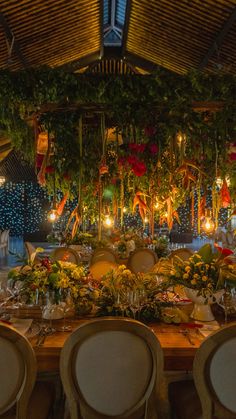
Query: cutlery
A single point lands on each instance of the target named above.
(186, 333)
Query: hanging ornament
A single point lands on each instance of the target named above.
(225, 195)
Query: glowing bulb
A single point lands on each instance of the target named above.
(181, 138)
(52, 215)
(208, 224)
(108, 221)
(156, 206)
(146, 220)
(124, 209)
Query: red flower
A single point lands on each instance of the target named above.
(66, 176)
(133, 147)
(132, 160)
(141, 148)
(232, 156)
(224, 251)
(49, 169)
(139, 168)
(137, 148)
(153, 148)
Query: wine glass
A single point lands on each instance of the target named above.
(122, 301)
(134, 301)
(67, 305)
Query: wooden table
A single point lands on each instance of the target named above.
(178, 351)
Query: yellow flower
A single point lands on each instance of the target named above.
(196, 276)
(185, 276)
(193, 281)
(187, 268)
(204, 278)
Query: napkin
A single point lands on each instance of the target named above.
(21, 325)
(209, 328)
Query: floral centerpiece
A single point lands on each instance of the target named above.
(48, 276)
(203, 277)
(201, 272)
(120, 287)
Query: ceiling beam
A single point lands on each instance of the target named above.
(82, 62)
(10, 38)
(135, 60)
(215, 46)
(101, 30)
(5, 147)
(126, 26)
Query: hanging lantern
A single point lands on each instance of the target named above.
(208, 224)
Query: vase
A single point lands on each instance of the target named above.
(202, 306)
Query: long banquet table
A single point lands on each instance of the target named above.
(178, 351)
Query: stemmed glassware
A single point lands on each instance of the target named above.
(67, 305)
(134, 302)
(122, 301)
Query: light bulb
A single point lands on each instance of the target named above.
(52, 215)
(208, 225)
(108, 221)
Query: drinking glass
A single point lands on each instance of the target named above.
(134, 301)
(67, 305)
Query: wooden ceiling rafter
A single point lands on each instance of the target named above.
(10, 39)
(176, 35)
(218, 41)
(81, 62)
(101, 29)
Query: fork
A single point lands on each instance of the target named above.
(186, 333)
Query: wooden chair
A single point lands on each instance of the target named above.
(142, 260)
(103, 253)
(212, 394)
(4, 242)
(101, 268)
(20, 396)
(66, 254)
(182, 253)
(30, 250)
(112, 368)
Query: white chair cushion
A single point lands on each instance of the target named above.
(113, 387)
(12, 369)
(223, 374)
